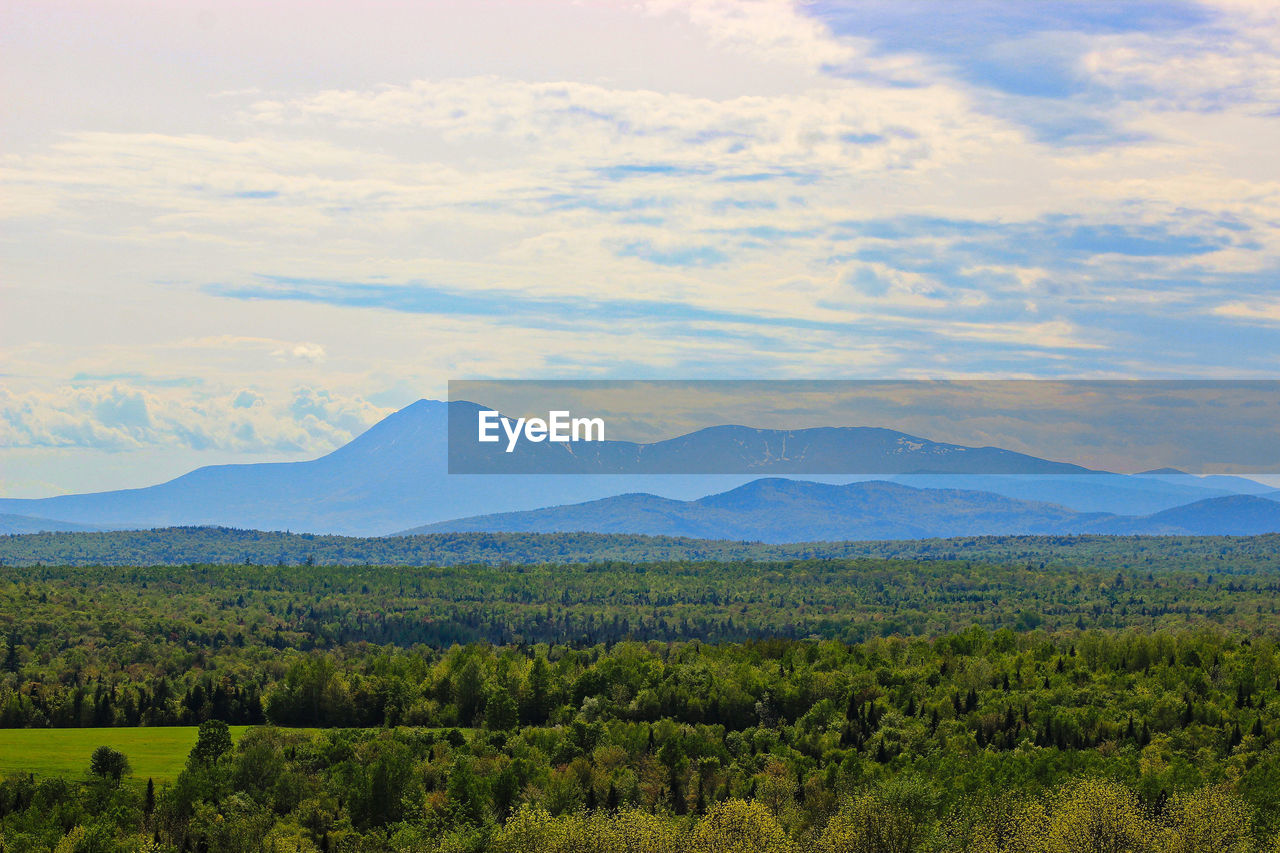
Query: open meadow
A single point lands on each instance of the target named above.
(157, 753)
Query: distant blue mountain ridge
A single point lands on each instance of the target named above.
(784, 511)
(394, 477)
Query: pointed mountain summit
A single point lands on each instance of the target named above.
(391, 476)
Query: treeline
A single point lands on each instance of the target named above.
(1162, 711)
(142, 617)
(166, 646)
(219, 545)
(163, 646)
(146, 702)
(596, 787)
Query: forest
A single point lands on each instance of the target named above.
(177, 546)
(858, 704)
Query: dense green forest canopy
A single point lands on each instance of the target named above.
(130, 615)
(188, 545)
(856, 704)
(982, 737)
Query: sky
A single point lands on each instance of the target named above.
(239, 232)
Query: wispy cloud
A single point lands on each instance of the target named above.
(1255, 312)
(129, 416)
(501, 306)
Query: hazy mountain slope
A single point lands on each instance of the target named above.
(16, 524)
(818, 450)
(1234, 515)
(390, 477)
(1120, 494)
(1224, 483)
(777, 510)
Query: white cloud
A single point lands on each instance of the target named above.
(307, 352)
(1053, 334)
(771, 29)
(1254, 312)
(835, 126)
(1230, 63)
(117, 416)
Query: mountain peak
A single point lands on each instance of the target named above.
(395, 475)
(424, 423)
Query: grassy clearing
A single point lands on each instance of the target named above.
(159, 753)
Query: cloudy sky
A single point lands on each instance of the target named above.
(240, 231)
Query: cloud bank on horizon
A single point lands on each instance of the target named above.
(247, 233)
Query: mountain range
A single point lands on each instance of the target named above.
(395, 477)
(780, 511)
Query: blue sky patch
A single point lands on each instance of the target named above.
(678, 256)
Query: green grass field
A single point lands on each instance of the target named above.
(158, 753)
